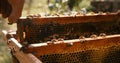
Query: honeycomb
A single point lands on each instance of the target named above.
(93, 51)
(87, 56)
(37, 33)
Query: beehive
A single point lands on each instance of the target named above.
(73, 38)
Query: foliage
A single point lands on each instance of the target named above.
(4, 53)
(53, 6)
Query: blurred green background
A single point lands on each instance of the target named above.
(36, 7)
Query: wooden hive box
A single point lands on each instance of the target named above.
(89, 38)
